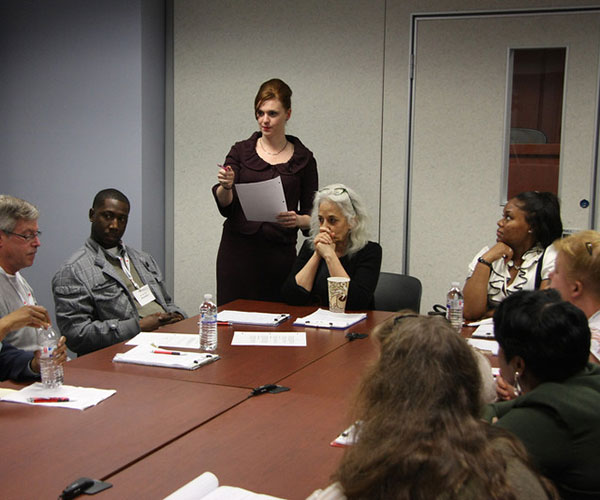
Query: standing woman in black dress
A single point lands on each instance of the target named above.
(255, 258)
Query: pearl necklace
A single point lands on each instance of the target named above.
(272, 154)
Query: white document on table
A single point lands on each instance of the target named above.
(322, 318)
(164, 339)
(283, 339)
(148, 355)
(80, 398)
(485, 330)
(485, 321)
(485, 345)
(252, 318)
(262, 201)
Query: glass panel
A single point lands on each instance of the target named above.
(535, 119)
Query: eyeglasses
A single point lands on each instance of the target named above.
(589, 247)
(339, 191)
(26, 237)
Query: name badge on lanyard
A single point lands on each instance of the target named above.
(142, 294)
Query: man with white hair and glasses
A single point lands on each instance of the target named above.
(19, 241)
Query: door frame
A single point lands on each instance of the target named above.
(414, 23)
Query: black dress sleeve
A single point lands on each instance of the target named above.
(363, 269)
(232, 160)
(293, 293)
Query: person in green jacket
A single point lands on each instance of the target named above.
(544, 349)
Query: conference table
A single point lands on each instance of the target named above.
(164, 427)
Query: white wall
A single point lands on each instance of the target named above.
(82, 107)
(347, 63)
(223, 52)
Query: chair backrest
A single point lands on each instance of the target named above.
(527, 136)
(398, 291)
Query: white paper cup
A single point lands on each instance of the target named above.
(338, 293)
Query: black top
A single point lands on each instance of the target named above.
(363, 268)
(298, 176)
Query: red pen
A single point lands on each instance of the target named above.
(49, 400)
(174, 353)
(224, 323)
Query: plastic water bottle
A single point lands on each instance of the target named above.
(454, 306)
(208, 324)
(52, 374)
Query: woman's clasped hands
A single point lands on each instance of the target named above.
(325, 243)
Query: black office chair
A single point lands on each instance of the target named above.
(527, 136)
(398, 291)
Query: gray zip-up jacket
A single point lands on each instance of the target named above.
(94, 308)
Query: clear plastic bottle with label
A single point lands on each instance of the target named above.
(52, 374)
(455, 306)
(208, 324)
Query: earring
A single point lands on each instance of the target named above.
(518, 390)
(530, 231)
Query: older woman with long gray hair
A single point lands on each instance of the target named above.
(338, 246)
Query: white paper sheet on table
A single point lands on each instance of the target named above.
(262, 201)
(80, 397)
(485, 345)
(485, 330)
(486, 321)
(164, 339)
(284, 339)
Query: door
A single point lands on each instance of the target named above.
(459, 131)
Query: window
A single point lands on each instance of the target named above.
(536, 98)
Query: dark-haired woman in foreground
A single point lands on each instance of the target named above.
(421, 436)
(522, 257)
(544, 349)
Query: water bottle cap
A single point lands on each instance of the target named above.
(455, 283)
(208, 296)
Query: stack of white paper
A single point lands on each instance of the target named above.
(79, 398)
(484, 330)
(252, 318)
(485, 345)
(322, 318)
(147, 355)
